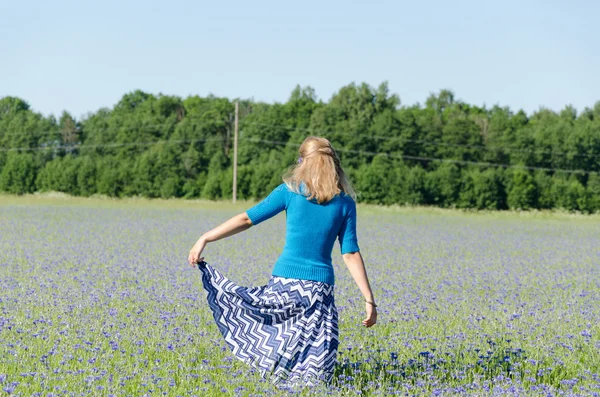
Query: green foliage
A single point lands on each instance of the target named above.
(565, 194)
(226, 178)
(443, 185)
(154, 174)
(61, 175)
(18, 173)
(374, 180)
(111, 176)
(214, 187)
(86, 176)
(482, 190)
(546, 198)
(593, 192)
(521, 190)
(572, 195)
(165, 146)
(193, 187)
(414, 191)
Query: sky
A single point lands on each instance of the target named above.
(81, 56)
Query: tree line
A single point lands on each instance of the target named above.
(444, 152)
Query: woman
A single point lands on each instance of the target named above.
(288, 329)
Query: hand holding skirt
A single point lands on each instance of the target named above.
(287, 329)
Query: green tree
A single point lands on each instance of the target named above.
(575, 197)
(165, 146)
(566, 193)
(49, 177)
(443, 185)
(86, 176)
(522, 191)
(414, 191)
(112, 174)
(482, 190)
(69, 131)
(544, 183)
(212, 187)
(18, 173)
(60, 175)
(22, 128)
(374, 180)
(593, 192)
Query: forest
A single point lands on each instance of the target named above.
(444, 152)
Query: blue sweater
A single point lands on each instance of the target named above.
(311, 230)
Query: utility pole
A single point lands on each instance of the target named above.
(235, 147)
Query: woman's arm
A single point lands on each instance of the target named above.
(234, 225)
(273, 204)
(356, 266)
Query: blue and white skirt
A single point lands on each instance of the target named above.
(287, 329)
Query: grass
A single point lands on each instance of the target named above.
(97, 300)
(58, 198)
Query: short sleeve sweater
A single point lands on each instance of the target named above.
(311, 230)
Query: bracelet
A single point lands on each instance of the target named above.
(372, 303)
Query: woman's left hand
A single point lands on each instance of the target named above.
(196, 251)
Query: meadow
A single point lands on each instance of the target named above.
(97, 300)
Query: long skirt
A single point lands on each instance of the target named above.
(286, 329)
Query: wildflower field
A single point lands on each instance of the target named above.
(96, 299)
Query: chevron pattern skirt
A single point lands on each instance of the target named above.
(286, 329)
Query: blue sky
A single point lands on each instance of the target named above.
(84, 55)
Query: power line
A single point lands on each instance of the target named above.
(58, 132)
(110, 145)
(425, 141)
(347, 133)
(421, 158)
(281, 143)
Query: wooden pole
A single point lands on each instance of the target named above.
(235, 149)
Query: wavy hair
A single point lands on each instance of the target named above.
(319, 169)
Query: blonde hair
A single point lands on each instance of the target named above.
(320, 170)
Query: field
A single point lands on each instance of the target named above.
(97, 299)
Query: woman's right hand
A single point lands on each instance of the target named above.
(371, 319)
(194, 256)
